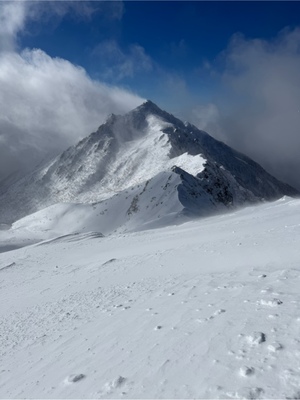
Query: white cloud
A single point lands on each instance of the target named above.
(12, 20)
(78, 9)
(46, 103)
(206, 117)
(260, 113)
(15, 14)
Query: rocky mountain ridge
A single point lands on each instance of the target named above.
(145, 154)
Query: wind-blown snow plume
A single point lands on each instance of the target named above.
(46, 103)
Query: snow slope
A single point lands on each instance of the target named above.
(144, 145)
(153, 204)
(207, 309)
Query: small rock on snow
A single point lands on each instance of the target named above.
(275, 346)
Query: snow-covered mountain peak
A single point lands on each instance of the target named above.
(146, 155)
(139, 150)
(147, 107)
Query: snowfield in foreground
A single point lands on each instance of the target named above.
(208, 309)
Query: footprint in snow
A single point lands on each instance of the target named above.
(216, 313)
(273, 316)
(275, 347)
(270, 303)
(247, 371)
(251, 393)
(256, 338)
(240, 355)
(74, 378)
(114, 384)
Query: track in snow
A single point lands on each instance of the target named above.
(209, 309)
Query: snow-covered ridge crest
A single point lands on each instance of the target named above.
(143, 158)
(116, 163)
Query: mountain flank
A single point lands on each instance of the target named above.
(141, 169)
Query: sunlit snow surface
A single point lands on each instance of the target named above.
(144, 158)
(208, 309)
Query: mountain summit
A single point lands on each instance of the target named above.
(140, 168)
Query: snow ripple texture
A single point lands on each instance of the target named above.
(208, 309)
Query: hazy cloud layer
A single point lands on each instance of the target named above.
(12, 19)
(46, 103)
(259, 108)
(116, 64)
(14, 15)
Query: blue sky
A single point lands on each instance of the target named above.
(150, 46)
(232, 68)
